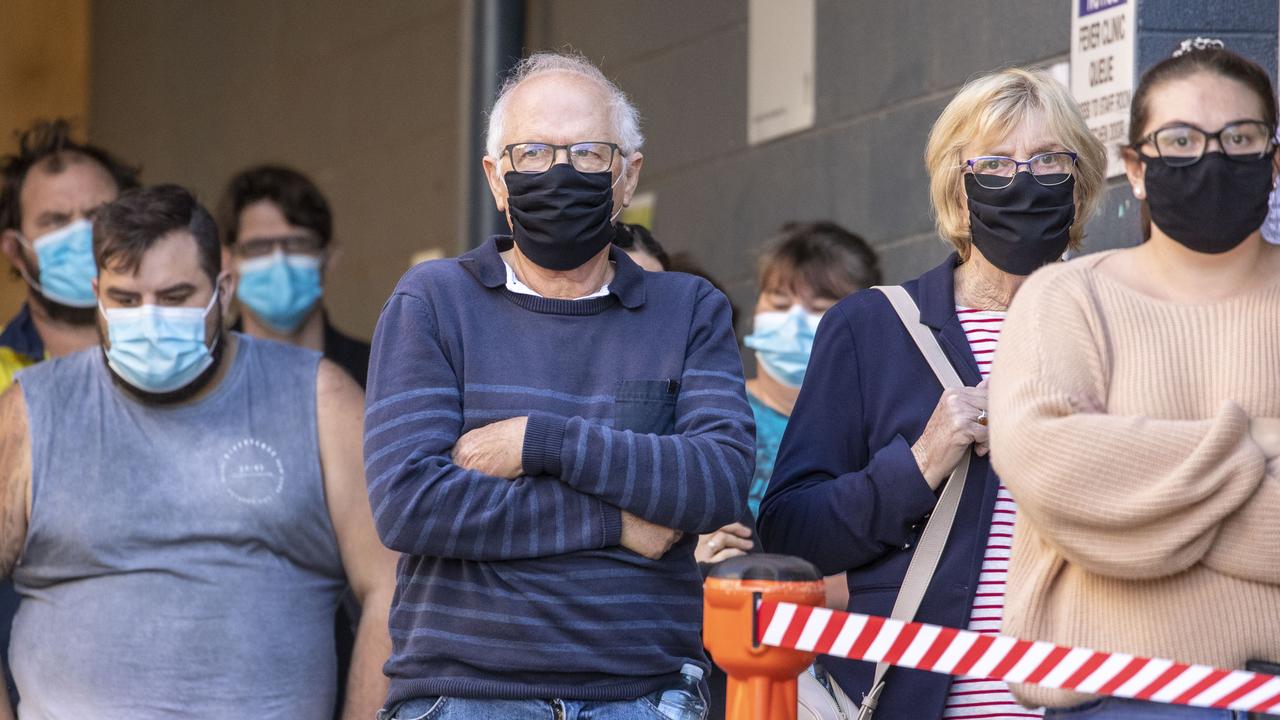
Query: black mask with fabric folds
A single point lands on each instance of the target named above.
(1023, 226)
(1212, 205)
(560, 218)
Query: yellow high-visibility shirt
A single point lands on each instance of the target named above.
(11, 361)
(20, 346)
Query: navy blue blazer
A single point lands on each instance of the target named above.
(846, 493)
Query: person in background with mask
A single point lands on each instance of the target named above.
(549, 429)
(52, 189)
(277, 234)
(873, 435)
(1135, 406)
(803, 272)
(184, 535)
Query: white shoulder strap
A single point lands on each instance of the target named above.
(934, 538)
(909, 313)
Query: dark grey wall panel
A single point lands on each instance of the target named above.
(708, 93)
(873, 54)
(884, 71)
(623, 31)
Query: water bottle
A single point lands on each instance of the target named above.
(684, 701)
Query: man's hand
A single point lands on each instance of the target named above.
(727, 542)
(644, 538)
(495, 450)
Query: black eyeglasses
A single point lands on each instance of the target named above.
(532, 157)
(996, 172)
(1184, 144)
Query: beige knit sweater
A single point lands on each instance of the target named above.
(1148, 520)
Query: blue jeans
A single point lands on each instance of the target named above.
(1120, 709)
(448, 708)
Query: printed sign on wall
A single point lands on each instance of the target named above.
(1102, 42)
(780, 61)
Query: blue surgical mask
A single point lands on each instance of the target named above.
(67, 268)
(280, 289)
(783, 342)
(158, 349)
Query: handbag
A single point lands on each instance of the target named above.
(820, 698)
(829, 702)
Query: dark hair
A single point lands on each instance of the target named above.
(637, 237)
(823, 256)
(294, 193)
(1218, 61)
(126, 229)
(48, 143)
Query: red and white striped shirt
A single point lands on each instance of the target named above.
(970, 697)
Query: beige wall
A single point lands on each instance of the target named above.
(44, 71)
(361, 96)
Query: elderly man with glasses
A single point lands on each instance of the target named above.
(548, 430)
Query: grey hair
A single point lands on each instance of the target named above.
(626, 118)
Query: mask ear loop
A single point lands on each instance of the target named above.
(621, 174)
(217, 292)
(26, 277)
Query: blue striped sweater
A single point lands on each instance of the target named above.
(520, 589)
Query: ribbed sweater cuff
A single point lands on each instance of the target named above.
(612, 524)
(543, 438)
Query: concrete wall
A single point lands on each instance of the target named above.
(884, 72)
(365, 98)
(361, 96)
(42, 73)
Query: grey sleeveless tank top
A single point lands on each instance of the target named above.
(180, 561)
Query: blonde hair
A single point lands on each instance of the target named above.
(991, 106)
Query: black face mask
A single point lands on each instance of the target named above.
(560, 218)
(1212, 205)
(1024, 226)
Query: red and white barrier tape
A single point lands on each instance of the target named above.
(970, 654)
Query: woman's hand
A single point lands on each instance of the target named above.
(729, 541)
(957, 422)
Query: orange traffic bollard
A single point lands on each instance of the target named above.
(762, 680)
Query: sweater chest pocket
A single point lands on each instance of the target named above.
(646, 406)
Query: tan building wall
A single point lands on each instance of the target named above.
(361, 96)
(44, 71)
